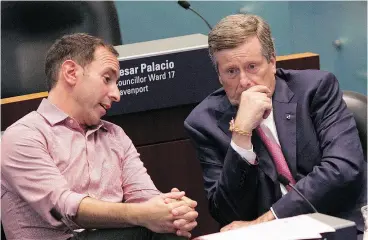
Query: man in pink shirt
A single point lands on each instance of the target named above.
(64, 168)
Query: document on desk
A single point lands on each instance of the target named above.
(298, 227)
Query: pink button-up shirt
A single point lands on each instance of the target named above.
(48, 161)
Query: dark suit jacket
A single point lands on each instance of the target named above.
(320, 143)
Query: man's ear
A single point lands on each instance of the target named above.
(220, 79)
(273, 63)
(70, 71)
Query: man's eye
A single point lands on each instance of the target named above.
(107, 79)
(251, 67)
(232, 72)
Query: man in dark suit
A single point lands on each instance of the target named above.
(293, 123)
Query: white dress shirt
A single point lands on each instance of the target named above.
(269, 128)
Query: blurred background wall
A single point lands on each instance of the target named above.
(335, 30)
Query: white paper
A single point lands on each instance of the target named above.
(299, 227)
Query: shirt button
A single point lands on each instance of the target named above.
(71, 121)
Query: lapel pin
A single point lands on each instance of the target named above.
(288, 116)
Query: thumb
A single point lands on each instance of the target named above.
(175, 190)
(174, 195)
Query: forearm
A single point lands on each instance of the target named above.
(230, 181)
(235, 192)
(93, 213)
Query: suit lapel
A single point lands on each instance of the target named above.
(225, 113)
(285, 121)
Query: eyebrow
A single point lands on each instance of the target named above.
(227, 66)
(112, 71)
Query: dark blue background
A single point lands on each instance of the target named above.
(195, 78)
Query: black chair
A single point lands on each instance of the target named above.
(28, 28)
(357, 103)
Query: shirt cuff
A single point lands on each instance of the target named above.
(274, 214)
(246, 154)
(71, 205)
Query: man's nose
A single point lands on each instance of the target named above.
(244, 81)
(115, 93)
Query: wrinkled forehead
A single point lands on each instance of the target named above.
(247, 50)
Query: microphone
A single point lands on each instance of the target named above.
(59, 217)
(283, 180)
(186, 6)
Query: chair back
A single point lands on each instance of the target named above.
(28, 29)
(357, 103)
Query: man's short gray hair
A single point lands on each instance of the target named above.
(234, 30)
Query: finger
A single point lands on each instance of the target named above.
(178, 223)
(189, 226)
(168, 230)
(266, 114)
(226, 228)
(175, 190)
(235, 226)
(175, 204)
(190, 216)
(191, 203)
(181, 210)
(265, 99)
(259, 88)
(182, 233)
(247, 223)
(169, 227)
(169, 200)
(267, 109)
(173, 195)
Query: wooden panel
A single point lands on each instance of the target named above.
(175, 164)
(298, 61)
(160, 125)
(24, 97)
(12, 111)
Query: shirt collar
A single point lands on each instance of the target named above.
(51, 113)
(55, 115)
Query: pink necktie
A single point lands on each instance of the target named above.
(278, 157)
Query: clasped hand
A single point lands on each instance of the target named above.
(171, 213)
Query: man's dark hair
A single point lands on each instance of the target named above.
(79, 47)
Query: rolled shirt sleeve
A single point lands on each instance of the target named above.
(29, 171)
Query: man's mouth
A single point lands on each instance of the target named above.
(105, 106)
